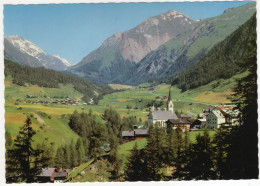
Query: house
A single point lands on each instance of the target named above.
(128, 136)
(141, 133)
(186, 116)
(215, 118)
(222, 116)
(161, 116)
(136, 134)
(53, 175)
(185, 125)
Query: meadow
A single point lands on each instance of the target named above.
(129, 101)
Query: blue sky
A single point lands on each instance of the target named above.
(74, 30)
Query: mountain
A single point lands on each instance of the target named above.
(117, 58)
(223, 61)
(25, 52)
(25, 75)
(191, 45)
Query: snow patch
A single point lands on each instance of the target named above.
(147, 36)
(64, 61)
(25, 46)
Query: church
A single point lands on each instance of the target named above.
(161, 116)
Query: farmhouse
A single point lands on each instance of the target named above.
(53, 175)
(179, 123)
(161, 116)
(136, 134)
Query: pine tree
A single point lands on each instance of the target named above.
(201, 164)
(245, 163)
(134, 171)
(59, 158)
(73, 158)
(115, 161)
(67, 156)
(155, 153)
(80, 151)
(23, 160)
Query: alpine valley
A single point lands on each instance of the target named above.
(170, 99)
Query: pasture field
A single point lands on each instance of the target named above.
(130, 102)
(120, 87)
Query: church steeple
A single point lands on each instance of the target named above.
(170, 105)
(169, 96)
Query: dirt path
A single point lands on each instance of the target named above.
(39, 119)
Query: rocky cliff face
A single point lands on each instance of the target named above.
(190, 46)
(25, 52)
(132, 46)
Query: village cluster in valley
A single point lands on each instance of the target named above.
(210, 118)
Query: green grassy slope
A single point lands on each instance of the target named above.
(223, 61)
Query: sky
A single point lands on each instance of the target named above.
(74, 30)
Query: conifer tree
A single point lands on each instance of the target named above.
(80, 151)
(23, 159)
(134, 171)
(59, 158)
(201, 163)
(67, 156)
(73, 158)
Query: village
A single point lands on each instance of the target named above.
(211, 118)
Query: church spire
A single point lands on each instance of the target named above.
(170, 95)
(170, 106)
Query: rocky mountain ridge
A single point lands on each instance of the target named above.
(27, 53)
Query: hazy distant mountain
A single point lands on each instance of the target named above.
(25, 52)
(191, 45)
(115, 60)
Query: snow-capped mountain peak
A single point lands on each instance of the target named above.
(65, 61)
(25, 46)
(25, 52)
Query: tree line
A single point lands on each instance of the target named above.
(51, 79)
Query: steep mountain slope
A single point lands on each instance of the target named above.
(223, 61)
(116, 59)
(190, 46)
(42, 77)
(25, 52)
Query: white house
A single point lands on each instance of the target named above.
(222, 116)
(215, 118)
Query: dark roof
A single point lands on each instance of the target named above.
(141, 131)
(128, 133)
(186, 115)
(178, 121)
(208, 109)
(191, 120)
(46, 172)
(163, 115)
(60, 174)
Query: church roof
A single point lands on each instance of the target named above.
(163, 115)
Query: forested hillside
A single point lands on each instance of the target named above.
(223, 61)
(42, 77)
